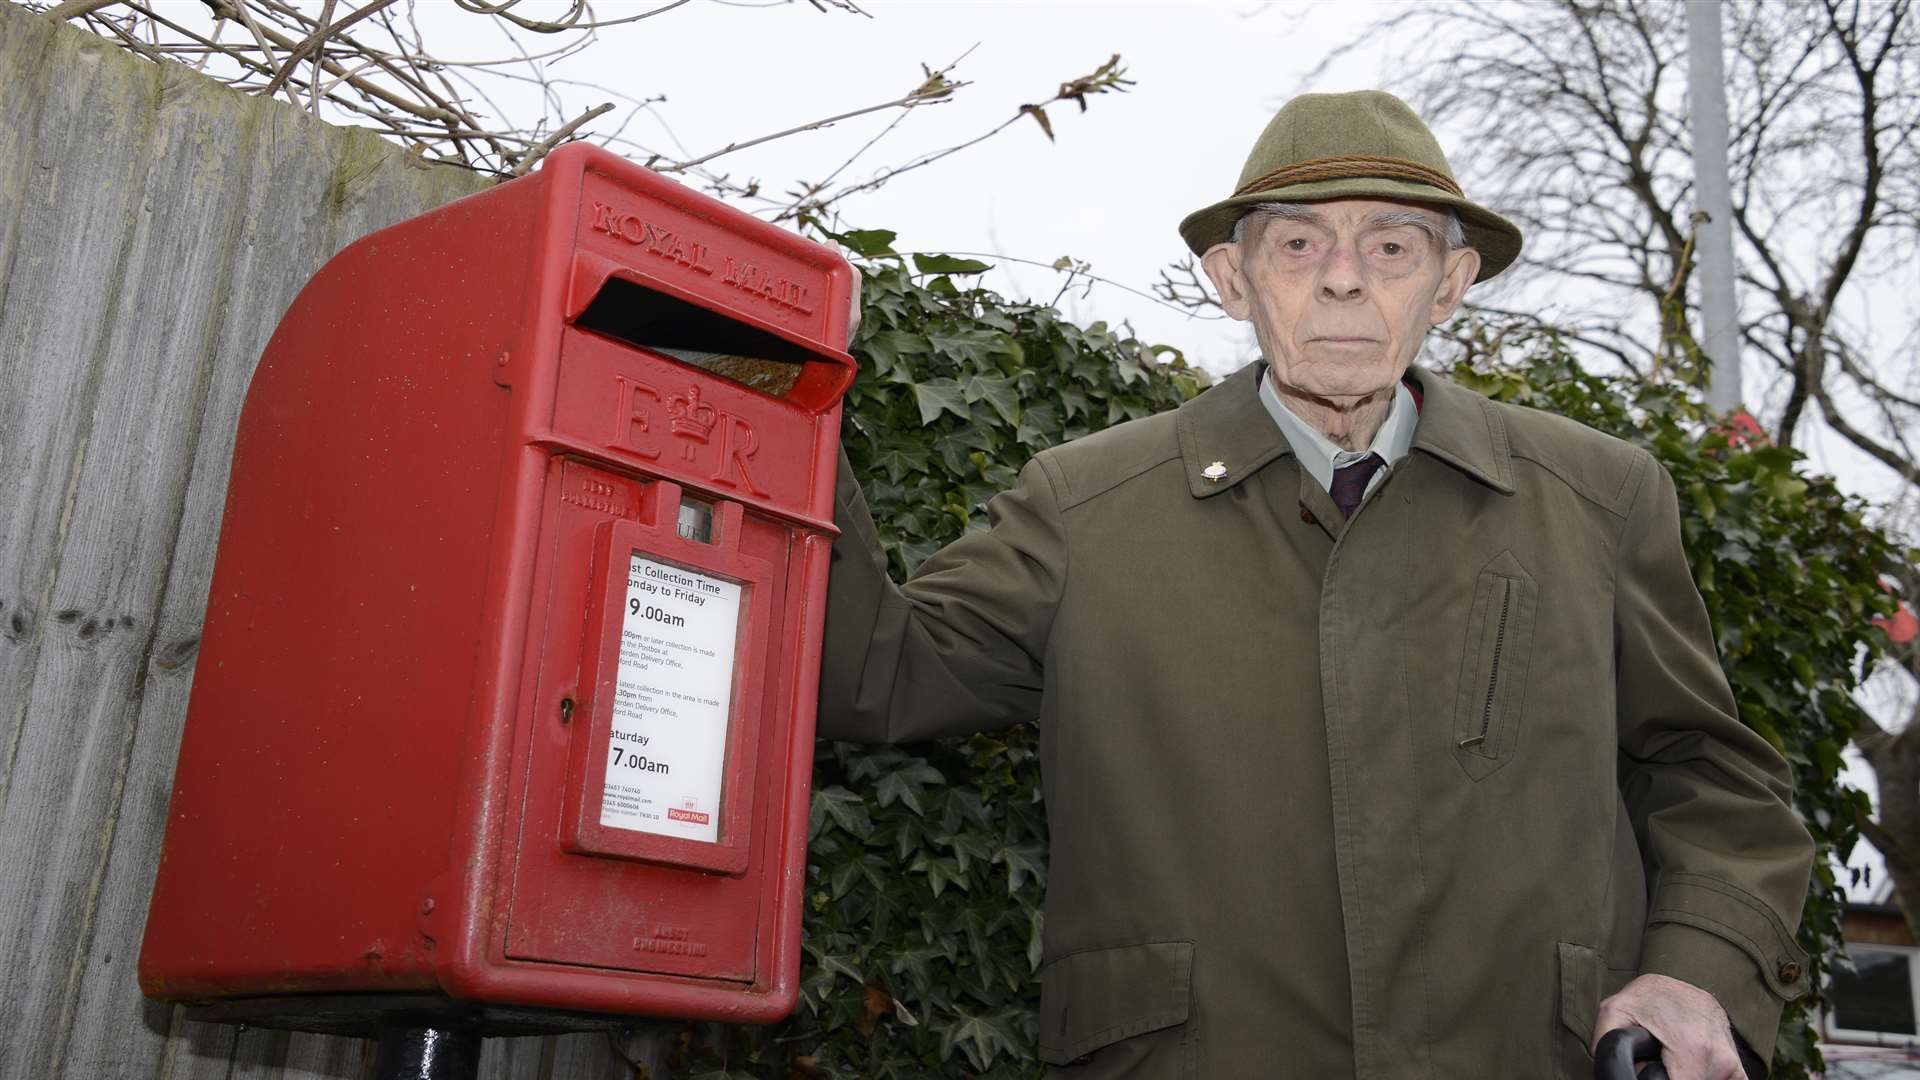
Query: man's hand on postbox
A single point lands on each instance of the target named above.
(1691, 1026)
(853, 299)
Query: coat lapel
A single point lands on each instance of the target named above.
(1227, 426)
(1464, 430)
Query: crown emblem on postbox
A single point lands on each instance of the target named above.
(692, 418)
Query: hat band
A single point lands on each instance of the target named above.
(1352, 167)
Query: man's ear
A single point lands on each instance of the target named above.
(1222, 262)
(1461, 266)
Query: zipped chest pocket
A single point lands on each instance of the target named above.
(1498, 642)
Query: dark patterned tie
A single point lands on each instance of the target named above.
(1350, 483)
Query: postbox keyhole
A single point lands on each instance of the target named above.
(566, 709)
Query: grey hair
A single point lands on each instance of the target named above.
(1452, 239)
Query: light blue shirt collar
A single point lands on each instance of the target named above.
(1318, 455)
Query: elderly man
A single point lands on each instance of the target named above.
(1381, 725)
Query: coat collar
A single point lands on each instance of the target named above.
(1228, 427)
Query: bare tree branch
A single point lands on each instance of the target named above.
(539, 149)
(307, 47)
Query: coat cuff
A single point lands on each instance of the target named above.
(1717, 937)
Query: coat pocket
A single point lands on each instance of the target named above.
(1093, 999)
(1585, 981)
(1493, 667)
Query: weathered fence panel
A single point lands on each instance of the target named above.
(153, 228)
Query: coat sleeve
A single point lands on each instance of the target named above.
(959, 648)
(1710, 800)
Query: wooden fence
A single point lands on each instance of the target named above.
(154, 225)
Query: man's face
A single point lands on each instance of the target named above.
(1342, 298)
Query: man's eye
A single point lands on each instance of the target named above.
(1391, 248)
(1297, 244)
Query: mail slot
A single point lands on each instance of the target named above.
(507, 682)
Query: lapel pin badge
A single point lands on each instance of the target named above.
(1215, 472)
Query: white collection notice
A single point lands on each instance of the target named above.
(671, 702)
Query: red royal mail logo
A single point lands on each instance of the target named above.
(692, 817)
(636, 409)
(692, 418)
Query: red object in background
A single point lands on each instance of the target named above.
(508, 675)
(1901, 627)
(1742, 430)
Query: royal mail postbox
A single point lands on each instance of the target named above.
(507, 683)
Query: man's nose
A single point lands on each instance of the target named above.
(1342, 277)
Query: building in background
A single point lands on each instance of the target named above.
(1871, 1030)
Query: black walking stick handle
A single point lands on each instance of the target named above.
(1622, 1048)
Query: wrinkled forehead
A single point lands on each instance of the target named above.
(1356, 214)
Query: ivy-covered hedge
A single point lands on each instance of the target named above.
(927, 864)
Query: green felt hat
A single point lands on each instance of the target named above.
(1362, 145)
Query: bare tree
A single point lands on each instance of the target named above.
(372, 66)
(1572, 116)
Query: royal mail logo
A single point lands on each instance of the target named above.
(690, 417)
(744, 275)
(694, 422)
(691, 817)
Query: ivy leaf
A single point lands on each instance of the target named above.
(940, 872)
(845, 809)
(905, 785)
(996, 392)
(839, 966)
(974, 348)
(1037, 423)
(843, 878)
(968, 847)
(886, 348)
(901, 460)
(979, 1037)
(949, 264)
(868, 242)
(936, 396)
(1075, 400)
(1021, 862)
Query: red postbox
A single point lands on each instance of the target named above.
(507, 684)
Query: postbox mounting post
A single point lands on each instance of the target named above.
(425, 1052)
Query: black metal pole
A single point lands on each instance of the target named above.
(428, 1053)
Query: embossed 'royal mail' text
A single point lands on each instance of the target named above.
(782, 293)
(779, 291)
(665, 243)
